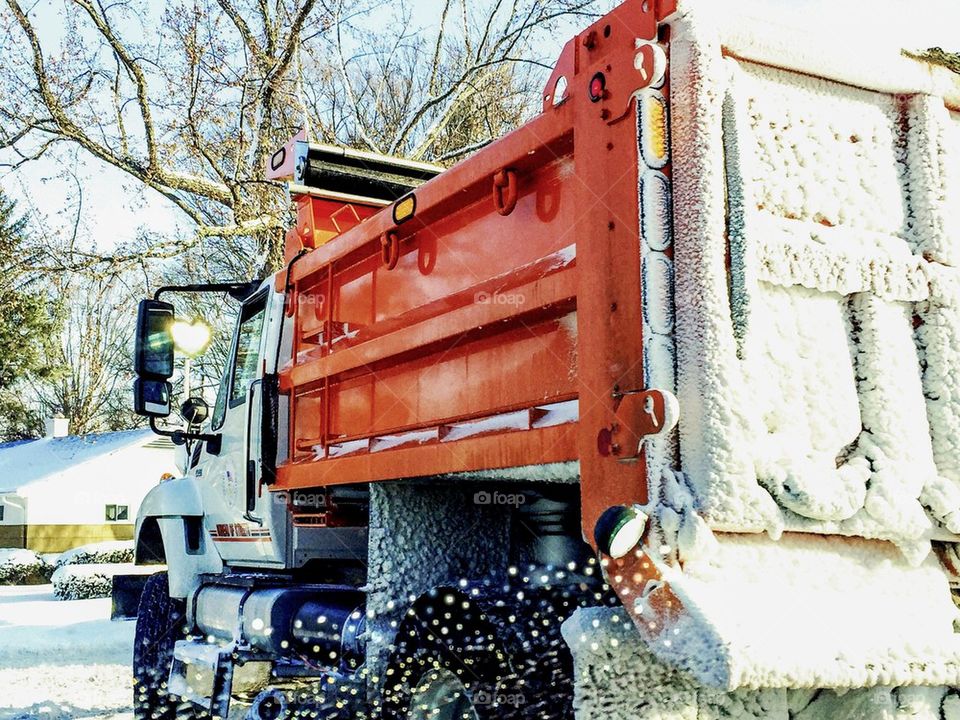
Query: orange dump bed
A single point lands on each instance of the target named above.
(459, 338)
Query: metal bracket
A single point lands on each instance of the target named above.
(639, 414)
(203, 675)
(180, 437)
(505, 191)
(610, 47)
(390, 249)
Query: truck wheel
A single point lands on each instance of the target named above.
(444, 664)
(463, 656)
(160, 623)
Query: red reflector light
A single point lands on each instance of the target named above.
(597, 83)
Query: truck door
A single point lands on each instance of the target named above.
(235, 510)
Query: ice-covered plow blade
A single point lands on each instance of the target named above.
(804, 611)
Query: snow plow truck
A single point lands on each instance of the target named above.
(649, 409)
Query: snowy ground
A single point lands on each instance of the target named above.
(62, 659)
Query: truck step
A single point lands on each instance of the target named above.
(203, 674)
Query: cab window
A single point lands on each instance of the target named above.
(247, 353)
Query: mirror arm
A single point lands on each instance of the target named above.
(180, 437)
(237, 290)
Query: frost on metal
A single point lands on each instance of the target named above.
(862, 44)
(423, 535)
(816, 300)
(611, 663)
(807, 611)
(810, 321)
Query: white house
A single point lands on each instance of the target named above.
(62, 491)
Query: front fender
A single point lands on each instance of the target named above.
(172, 498)
(169, 529)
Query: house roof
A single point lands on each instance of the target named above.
(13, 443)
(26, 462)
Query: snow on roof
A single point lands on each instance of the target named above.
(26, 462)
(13, 443)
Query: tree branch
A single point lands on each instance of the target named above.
(136, 72)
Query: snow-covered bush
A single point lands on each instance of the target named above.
(83, 582)
(102, 553)
(22, 567)
(87, 571)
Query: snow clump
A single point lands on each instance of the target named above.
(22, 567)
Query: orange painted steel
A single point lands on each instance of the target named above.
(515, 286)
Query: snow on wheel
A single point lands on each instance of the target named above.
(445, 662)
(160, 622)
(441, 695)
(476, 652)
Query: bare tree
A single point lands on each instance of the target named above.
(438, 95)
(190, 100)
(92, 356)
(189, 113)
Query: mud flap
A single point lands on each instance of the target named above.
(125, 592)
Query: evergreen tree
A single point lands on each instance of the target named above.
(26, 322)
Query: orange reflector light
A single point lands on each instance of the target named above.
(655, 129)
(404, 208)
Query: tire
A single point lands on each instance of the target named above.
(433, 673)
(540, 686)
(160, 623)
(490, 655)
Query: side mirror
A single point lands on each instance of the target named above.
(151, 397)
(159, 334)
(154, 344)
(195, 411)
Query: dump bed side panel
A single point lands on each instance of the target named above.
(499, 322)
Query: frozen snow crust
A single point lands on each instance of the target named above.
(817, 289)
(813, 339)
(807, 611)
(418, 540)
(859, 42)
(618, 678)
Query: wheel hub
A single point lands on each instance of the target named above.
(441, 696)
